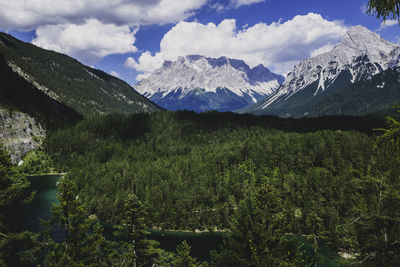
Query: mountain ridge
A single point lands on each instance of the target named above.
(212, 78)
(359, 56)
(87, 90)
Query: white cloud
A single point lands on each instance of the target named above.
(26, 15)
(145, 63)
(364, 8)
(238, 3)
(276, 45)
(114, 73)
(387, 23)
(88, 42)
(76, 27)
(218, 6)
(143, 76)
(323, 49)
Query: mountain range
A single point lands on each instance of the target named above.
(327, 83)
(201, 83)
(43, 89)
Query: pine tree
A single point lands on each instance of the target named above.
(257, 235)
(14, 189)
(182, 256)
(380, 227)
(83, 244)
(385, 8)
(136, 249)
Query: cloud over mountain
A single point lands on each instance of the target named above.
(82, 41)
(91, 29)
(277, 45)
(27, 15)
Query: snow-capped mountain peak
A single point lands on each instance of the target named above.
(189, 74)
(359, 40)
(361, 52)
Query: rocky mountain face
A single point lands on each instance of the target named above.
(19, 133)
(359, 56)
(200, 83)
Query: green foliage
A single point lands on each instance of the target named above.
(384, 8)
(193, 169)
(136, 249)
(182, 257)
(380, 233)
(13, 187)
(206, 171)
(390, 140)
(84, 243)
(79, 248)
(35, 162)
(373, 96)
(258, 232)
(15, 248)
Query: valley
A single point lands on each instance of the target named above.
(194, 171)
(210, 158)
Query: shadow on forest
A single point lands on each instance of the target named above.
(213, 120)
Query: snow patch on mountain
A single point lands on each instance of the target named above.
(361, 52)
(194, 72)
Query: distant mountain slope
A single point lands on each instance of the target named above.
(84, 89)
(200, 83)
(377, 95)
(359, 56)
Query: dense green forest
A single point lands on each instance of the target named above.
(15, 247)
(264, 180)
(335, 184)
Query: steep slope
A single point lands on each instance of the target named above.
(381, 94)
(84, 89)
(200, 83)
(26, 112)
(359, 56)
(18, 94)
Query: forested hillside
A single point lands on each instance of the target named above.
(379, 94)
(18, 94)
(86, 90)
(334, 183)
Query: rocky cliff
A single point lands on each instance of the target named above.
(19, 133)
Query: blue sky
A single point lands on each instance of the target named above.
(131, 38)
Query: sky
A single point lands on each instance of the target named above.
(131, 38)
